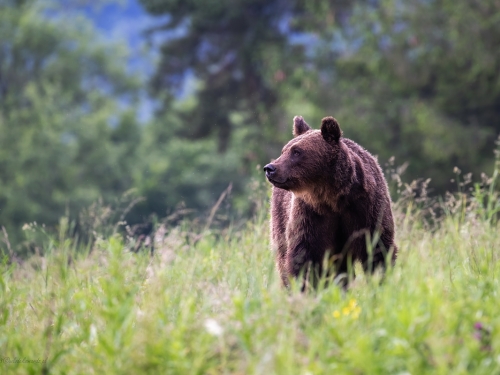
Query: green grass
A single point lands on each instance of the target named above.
(218, 308)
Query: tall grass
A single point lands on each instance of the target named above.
(217, 307)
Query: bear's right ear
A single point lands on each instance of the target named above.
(299, 126)
(330, 130)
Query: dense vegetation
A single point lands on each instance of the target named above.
(211, 302)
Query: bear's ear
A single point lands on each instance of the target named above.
(330, 130)
(299, 126)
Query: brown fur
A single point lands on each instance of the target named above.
(328, 195)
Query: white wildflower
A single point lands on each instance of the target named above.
(93, 334)
(213, 327)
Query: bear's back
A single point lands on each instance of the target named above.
(368, 170)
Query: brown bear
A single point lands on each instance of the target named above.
(329, 199)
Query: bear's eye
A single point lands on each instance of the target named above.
(296, 153)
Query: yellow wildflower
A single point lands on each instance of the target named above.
(336, 314)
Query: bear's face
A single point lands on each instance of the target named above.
(306, 160)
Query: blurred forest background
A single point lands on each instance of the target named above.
(184, 97)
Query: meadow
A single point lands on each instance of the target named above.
(214, 305)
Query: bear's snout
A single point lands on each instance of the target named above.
(270, 170)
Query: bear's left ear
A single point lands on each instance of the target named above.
(299, 126)
(330, 130)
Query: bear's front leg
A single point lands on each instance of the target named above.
(309, 236)
(299, 235)
(281, 264)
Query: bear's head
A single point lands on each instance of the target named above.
(306, 161)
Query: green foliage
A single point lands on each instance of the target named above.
(65, 141)
(218, 306)
(175, 170)
(237, 51)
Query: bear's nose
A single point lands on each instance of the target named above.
(269, 169)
